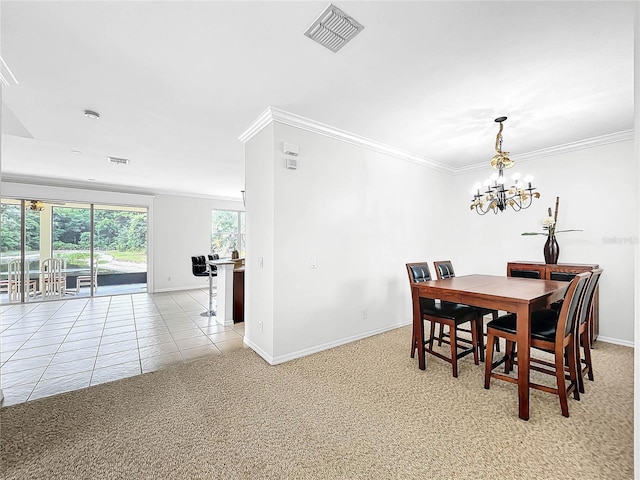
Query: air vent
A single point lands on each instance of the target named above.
(118, 161)
(333, 28)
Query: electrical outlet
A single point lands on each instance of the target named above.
(313, 263)
(261, 262)
(364, 314)
(168, 279)
(260, 325)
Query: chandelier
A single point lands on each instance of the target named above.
(35, 206)
(497, 197)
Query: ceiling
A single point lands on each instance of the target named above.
(176, 83)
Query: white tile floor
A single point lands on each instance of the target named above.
(52, 347)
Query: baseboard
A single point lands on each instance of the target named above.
(326, 346)
(265, 356)
(175, 289)
(615, 341)
(319, 348)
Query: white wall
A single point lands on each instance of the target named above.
(598, 190)
(259, 183)
(362, 216)
(182, 229)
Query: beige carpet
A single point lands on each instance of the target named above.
(360, 411)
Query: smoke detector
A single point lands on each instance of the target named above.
(333, 28)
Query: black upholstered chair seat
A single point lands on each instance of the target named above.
(544, 323)
(452, 311)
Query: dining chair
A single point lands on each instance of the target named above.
(52, 278)
(444, 313)
(15, 269)
(584, 327)
(444, 269)
(90, 280)
(551, 331)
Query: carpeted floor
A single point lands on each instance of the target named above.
(360, 411)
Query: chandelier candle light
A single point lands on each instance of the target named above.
(496, 197)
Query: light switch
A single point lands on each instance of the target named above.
(314, 263)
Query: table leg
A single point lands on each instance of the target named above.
(524, 345)
(418, 328)
(480, 336)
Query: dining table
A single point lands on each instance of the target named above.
(511, 294)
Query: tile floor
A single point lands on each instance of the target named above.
(52, 347)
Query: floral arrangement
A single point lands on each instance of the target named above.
(549, 223)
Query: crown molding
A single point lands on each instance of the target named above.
(258, 124)
(557, 150)
(272, 114)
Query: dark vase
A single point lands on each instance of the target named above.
(551, 250)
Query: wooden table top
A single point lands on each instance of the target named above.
(519, 290)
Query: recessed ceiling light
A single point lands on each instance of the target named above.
(77, 152)
(118, 161)
(91, 114)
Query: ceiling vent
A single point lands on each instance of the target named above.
(118, 161)
(333, 28)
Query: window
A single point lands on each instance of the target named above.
(227, 232)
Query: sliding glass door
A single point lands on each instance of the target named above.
(71, 249)
(120, 248)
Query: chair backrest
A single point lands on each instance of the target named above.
(571, 305)
(198, 265)
(15, 269)
(418, 273)
(589, 294)
(444, 269)
(52, 277)
(52, 266)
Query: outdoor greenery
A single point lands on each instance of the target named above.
(119, 235)
(228, 232)
(10, 236)
(114, 229)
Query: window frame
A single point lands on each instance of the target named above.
(239, 232)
